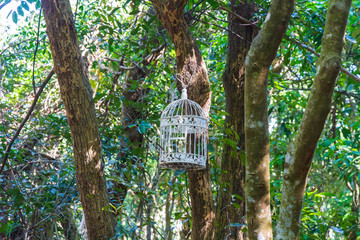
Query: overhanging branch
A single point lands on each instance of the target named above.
(22, 124)
(302, 45)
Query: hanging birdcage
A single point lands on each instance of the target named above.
(183, 135)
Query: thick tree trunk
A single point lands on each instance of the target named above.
(190, 62)
(231, 199)
(300, 152)
(261, 54)
(76, 94)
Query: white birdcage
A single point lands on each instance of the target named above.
(183, 135)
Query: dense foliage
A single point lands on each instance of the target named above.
(39, 188)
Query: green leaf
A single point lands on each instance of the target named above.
(236, 205)
(287, 57)
(210, 147)
(346, 132)
(25, 5)
(103, 27)
(38, 4)
(238, 197)
(213, 3)
(99, 96)
(20, 11)
(15, 17)
(134, 12)
(326, 194)
(110, 42)
(134, 31)
(114, 10)
(178, 215)
(230, 142)
(145, 27)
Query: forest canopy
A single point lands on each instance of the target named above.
(83, 85)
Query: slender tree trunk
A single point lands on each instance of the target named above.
(67, 222)
(231, 198)
(168, 209)
(131, 112)
(300, 152)
(76, 94)
(355, 207)
(260, 56)
(189, 63)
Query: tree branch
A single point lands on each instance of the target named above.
(302, 45)
(6, 2)
(300, 152)
(22, 124)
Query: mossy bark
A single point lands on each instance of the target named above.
(300, 152)
(260, 56)
(231, 198)
(189, 62)
(76, 94)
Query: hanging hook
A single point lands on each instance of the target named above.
(180, 78)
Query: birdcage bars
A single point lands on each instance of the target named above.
(183, 135)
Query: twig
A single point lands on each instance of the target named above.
(353, 76)
(6, 2)
(337, 91)
(244, 20)
(223, 29)
(102, 67)
(15, 44)
(76, 9)
(22, 124)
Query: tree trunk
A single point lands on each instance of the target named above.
(231, 199)
(189, 63)
(300, 152)
(168, 209)
(76, 94)
(131, 112)
(260, 56)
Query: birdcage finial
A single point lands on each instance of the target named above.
(184, 93)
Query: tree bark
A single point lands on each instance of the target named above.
(76, 94)
(231, 198)
(260, 56)
(189, 62)
(300, 152)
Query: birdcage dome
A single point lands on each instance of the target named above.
(183, 135)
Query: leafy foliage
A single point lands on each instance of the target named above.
(39, 183)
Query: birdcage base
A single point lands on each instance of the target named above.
(182, 161)
(181, 166)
